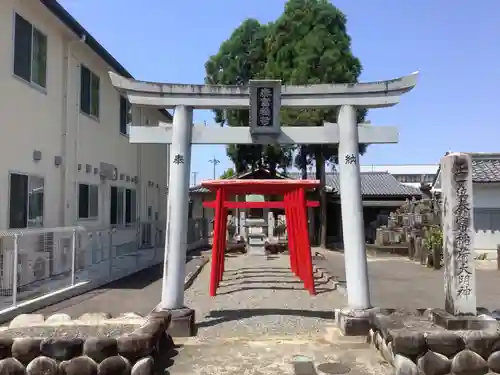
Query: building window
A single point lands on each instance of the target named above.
(123, 206)
(26, 201)
(89, 92)
(125, 115)
(88, 201)
(30, 52)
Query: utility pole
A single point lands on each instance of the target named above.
(194, 177)
(214, 161)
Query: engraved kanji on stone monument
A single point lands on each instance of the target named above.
(458, 234)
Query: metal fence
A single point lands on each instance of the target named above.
(35, 262)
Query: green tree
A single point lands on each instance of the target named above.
(228, 173)
(309, 44)
(241, 58)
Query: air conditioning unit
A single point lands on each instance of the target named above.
(108, 171)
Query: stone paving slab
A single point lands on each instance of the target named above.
(299, 355)
(397, 282)
(139, 293)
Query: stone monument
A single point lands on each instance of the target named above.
(461, 339)
(458, 234)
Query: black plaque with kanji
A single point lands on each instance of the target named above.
(265, 110)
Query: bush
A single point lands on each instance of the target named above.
(434, 237)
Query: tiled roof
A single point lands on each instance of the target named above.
(198, 189)
(381, 184)
(485, 170)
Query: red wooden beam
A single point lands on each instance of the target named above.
(225, 183)
(266, 187)
(268, 204)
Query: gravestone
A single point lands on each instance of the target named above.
(458, 234)
(255, 223)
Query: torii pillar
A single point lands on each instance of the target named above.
(264, 98)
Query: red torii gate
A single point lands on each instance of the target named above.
(294, 202)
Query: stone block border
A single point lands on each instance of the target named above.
(144, 351)
(193, 269)
(413, 344)
(339, 286)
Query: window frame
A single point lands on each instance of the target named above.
(132, 215)
(121, 214)
(30, 81)
(95, 116)
(89, 217)
(9, 203)
(125, 117)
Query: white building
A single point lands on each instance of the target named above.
(407, 174)
(486, 201)
(66, 157)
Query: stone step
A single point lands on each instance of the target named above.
(294, 355)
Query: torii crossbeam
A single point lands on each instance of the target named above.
(264, 98)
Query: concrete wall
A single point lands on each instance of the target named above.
(50, 120)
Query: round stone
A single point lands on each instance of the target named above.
(494, 361)
(467, 362)
(116, 365)
(42, 365)
(144, 366)
(25, 349)
(432, 363)
(79, 366)
(58, 318)
(94, 317)
(404, 366)
(100, 348)
(11, 366)
(27, 320)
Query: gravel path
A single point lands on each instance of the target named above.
(261, 297)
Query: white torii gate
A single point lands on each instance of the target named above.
(264, 99)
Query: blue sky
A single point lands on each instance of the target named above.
(455, 45)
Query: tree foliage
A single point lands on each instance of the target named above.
(240, 58)
(228, 173)
(307, 44)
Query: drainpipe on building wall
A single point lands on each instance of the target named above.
(66, 209)
(74, 212)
